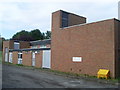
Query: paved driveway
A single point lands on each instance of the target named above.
(21, 77)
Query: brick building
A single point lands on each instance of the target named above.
(84, 48)
(75, 46)
(13, 44)
(27, 53)
(41, 43)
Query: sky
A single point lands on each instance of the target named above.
(17, 15)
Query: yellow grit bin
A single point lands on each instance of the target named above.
(103, 73)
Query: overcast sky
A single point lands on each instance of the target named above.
(17, 15)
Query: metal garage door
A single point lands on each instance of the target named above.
(6, 54)
(46, 60)
(10, 57)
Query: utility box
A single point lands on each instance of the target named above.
(103, 73)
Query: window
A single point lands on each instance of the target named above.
(19, 58)
(6, 50)
(42, 46)
(34, 46)
(16, 45)
(64, 19)
(19, 55)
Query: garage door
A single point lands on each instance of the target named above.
(33, 58)
(10, 57)
(6, 54)
(46, 60)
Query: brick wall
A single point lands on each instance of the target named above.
(24, 44)
(75, 19)
(27, 58)
(38, 59)
(5, 45)
(93, 42)
(15, 57)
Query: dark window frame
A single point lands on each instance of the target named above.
(64, 22)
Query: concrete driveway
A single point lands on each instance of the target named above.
(21, 77)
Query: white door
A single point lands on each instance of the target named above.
(19, 58)
(46, 60)
(33, 58)
(10, 57)
(6, 54)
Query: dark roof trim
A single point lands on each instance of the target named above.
(39, 42)
(20, 50)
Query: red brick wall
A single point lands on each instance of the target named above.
(75, 19)
(6, 44)
(11, 44)
(15, 57)
(38, 59)
(24, 44)
(27, 58)
(93, 42)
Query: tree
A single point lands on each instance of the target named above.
(36, 34)
(22, 35)
(48, 35)
(32, 35)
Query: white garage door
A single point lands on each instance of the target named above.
(10, 57)
(33, 58)
(6, 54)
(46, 60)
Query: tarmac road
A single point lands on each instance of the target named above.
(21, 77)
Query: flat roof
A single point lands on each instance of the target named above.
(29, 49)
(40, 42)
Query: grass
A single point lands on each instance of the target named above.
(19, 64)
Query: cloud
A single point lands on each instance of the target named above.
(28, 15)
(58, 1)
